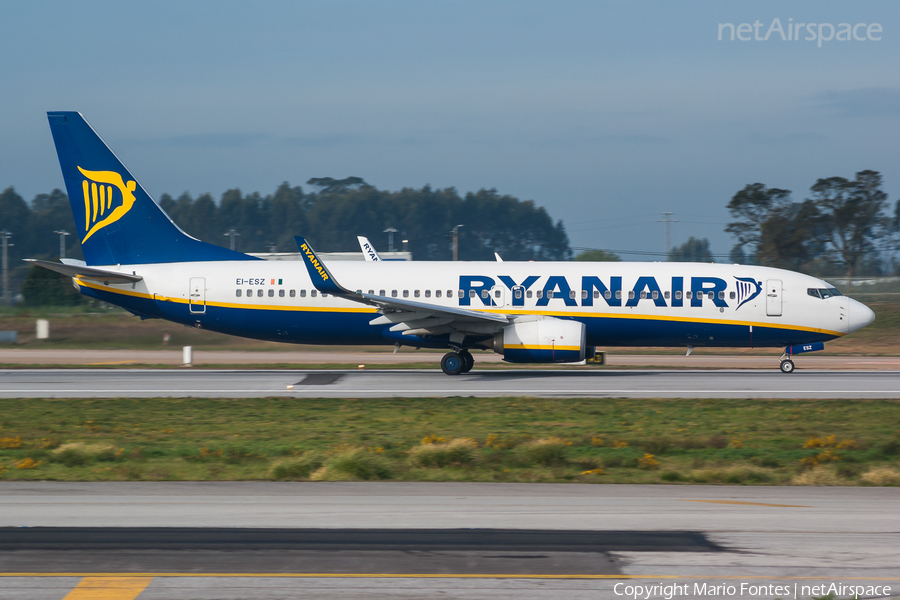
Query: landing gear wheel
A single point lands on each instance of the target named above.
(787, 366)
(452, 363)
(468, 361)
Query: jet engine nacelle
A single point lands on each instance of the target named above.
(546, 340)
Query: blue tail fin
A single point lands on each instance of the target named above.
(118, 222)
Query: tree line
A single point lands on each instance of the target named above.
(330, 214)
(843, 224)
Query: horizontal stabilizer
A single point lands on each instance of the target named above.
(86, 272)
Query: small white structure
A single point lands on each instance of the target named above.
(43, 329)
(187, 356)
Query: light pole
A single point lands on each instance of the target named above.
(456, 242)
(62, 242)
(232, 233)
(667, 220)
(390, 231)
(5, 235)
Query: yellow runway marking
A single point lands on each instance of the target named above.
(109, 588)
(149, 576)
(748, 503)
(115, 362)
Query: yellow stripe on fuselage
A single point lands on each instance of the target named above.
(540, 347)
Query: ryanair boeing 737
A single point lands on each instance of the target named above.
(530, 312)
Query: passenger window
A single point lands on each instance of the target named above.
(381, 292)
(259, 293)
(303, 293)
(711, 295)
(485, 294)
(668, 295)
(312, 293)
(393, 293)
(281, 293)
(528, 294)
(631, 295)
(293, 293)
(249, 293)
(437, 293)
(539, 293)
(406, 293)
(596, 294)
(655, 295)
(271, 293)
(689, 294)
(496, 293)
(643, 294)
(721, 295)
(471, 293)
(731, 295)
(678, 295)
(371, 292)
(551, 294)
(572, 294)
(428, 293)
(518, 294)
(449, 293)
(416, 293)
(618, 294)
(238, 293)
(608, 294)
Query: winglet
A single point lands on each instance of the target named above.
(321, 277)
(368, 249)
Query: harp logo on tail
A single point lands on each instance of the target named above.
(102, 205)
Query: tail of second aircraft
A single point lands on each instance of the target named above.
(117, 221)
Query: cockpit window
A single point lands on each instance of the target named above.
(823, 293)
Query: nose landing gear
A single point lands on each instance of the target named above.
(787, 365)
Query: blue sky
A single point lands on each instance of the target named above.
(606, 113)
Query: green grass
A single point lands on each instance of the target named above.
(596, 441)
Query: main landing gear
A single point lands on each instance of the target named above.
(454, 363)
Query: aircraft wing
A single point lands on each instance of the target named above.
(85, 272)
(407, 315)
(368, 249)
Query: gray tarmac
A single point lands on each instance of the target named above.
(377, 356)
(712, 535)
(150, 383)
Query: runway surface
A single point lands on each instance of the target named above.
(149, 383)
(374, 357)
(341, 540)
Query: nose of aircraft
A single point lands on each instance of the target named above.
(860, 315)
